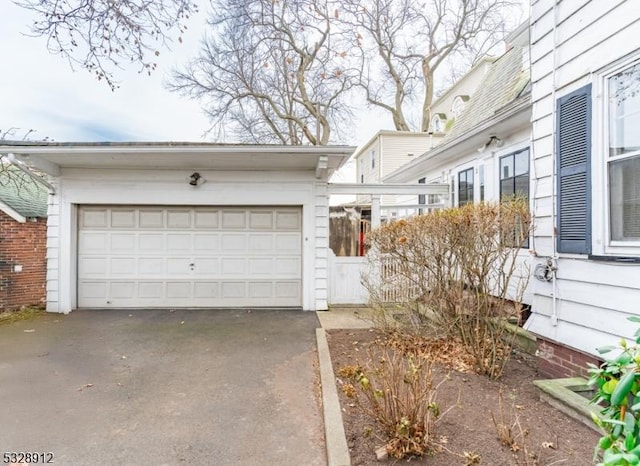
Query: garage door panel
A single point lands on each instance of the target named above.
(151, 289)
(288, 221)
(262, 290)
(234, 220)
(124, 266)
(94, 218)
(288, 243)
(152, 256)
(234, 242)
(206, 290)
(234, 266)
(123, 219)
(260, 220)
(151, 266)
(208, 219)
(123, 290)
(179, 242)
(208, 266)
(233, 290)
(178, 290)
(178, 266)
(288, 266)
(151, 243)
(178, 219)
(261, 266)
(287, 289)
(123, 243)
(151, 218)
(206, 242)
(93, 266)
(94, 242)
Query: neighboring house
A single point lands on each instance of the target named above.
(385, 152)
(23, 240)
(585, 67)
(389, 150)
(485, 155)
(137, 225)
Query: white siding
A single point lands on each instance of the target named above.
(592, 298)
(167, 187)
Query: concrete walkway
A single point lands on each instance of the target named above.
(159, 387)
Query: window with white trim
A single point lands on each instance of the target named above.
(623, 155)
(465, 187)
(373, 158)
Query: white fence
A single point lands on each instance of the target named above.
(344, 280)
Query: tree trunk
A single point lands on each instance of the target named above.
(427, 74)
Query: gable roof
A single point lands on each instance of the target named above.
(21, 194)
(502, 103)
(502, 84)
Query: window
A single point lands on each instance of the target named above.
(623, 161)
(481, 181)
(361, 169)
(514, 175)
(458, 105)
(514, 179)
(421, 197)
(465, 187)
(373, 158)
(437, 123)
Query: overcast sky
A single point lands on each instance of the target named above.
(41, 92)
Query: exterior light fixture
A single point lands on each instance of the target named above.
(196, 179)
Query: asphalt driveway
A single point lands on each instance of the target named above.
(223, 387)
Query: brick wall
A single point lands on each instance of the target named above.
(22, 244)
(556, 361)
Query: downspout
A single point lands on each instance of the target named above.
(554, 203)
(20, 165)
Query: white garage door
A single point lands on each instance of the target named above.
(189, 256)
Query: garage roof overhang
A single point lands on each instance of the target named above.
(50, 158)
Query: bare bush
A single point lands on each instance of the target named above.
(397, 391)
(454, 274)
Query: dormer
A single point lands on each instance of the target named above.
(458, 105)
(438, 122)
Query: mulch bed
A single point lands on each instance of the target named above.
(467, 432)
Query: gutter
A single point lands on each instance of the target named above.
(20, 165)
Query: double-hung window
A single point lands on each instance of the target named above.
(623, 155)
(465, 187)
(514, 182)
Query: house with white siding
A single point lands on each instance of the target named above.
(386, 151)
(585, 177)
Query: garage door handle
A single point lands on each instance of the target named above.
(192, 266)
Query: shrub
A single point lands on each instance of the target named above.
(454, 273)
(617, 385)
(398, 394)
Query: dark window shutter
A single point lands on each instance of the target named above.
(573, 167)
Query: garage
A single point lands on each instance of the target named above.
(189, 256)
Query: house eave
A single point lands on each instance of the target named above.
(509, 119)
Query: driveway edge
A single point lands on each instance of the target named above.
(335, 438)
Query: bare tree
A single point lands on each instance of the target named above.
(401, 45)
(103, 35)
(269, 71)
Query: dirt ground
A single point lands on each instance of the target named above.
(467, 432)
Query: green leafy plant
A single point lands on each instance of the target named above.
(617, 385)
